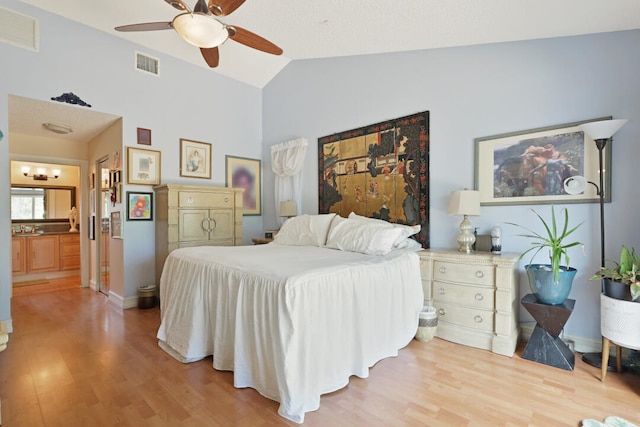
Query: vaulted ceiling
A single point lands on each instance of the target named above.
(330, 28)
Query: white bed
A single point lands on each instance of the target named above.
(292, 322)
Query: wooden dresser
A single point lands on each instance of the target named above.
(190, 215)
(475, 296)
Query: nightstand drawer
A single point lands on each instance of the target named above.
(463, 273)
(470, 296)
(481, 320)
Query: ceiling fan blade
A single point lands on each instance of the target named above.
(211, 55)
(224, 7)
(253, 40)
(147, 26)
(178, 4)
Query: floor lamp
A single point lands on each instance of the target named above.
(601, 132)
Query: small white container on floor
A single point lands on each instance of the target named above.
(427, 324)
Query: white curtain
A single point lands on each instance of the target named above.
(287, 160)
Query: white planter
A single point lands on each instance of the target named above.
(620, 321)
(427, 324)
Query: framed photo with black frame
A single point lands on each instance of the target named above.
(139, 206)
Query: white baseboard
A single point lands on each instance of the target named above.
(582, 344)
(123, 303)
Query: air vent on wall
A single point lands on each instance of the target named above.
(19, 30)
(147, 64)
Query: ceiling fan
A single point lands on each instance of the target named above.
(199, 28)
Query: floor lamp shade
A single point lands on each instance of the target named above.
(602, 129)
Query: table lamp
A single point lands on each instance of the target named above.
(465, 203)
(288, 208)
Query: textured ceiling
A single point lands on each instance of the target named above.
(329, 28)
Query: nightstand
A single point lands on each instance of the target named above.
(260, 240)
(475, 296)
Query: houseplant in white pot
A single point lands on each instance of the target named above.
(622, 281)
(550, 283)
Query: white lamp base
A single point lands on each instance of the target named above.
(466, 238)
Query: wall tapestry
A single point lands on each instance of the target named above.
(379, 171)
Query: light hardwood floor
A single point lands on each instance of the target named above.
(75, 360)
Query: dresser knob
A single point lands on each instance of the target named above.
(441, 312)
(477, 319)
(226, 199)
(479, 297)
(479, 274)
(443, 270)
(189, 200)
(441, 291)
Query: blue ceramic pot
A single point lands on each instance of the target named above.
(542, 285)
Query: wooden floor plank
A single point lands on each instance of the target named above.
(75, 359)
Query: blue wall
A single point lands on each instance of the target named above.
(473, 92)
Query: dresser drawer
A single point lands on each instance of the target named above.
(195, 199)
(464, 273)
(481, 320)
(470, 296)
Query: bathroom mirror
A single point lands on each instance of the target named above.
(31, 203)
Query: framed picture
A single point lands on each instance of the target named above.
(529, 167)
(92, 227)
(379, 171)
(245, 173)
(143, 166)
(116, 225)
(195, 159)
(144, 136)
(139, 206)
(92, 201)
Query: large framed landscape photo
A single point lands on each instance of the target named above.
(529, 167)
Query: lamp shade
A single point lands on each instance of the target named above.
(602, 129)
(288, 208)
(464, 202)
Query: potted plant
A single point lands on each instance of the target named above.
(623, 280)
(550, 283)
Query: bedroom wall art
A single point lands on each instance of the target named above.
(195, 159)
(246, 173)
(529, 167)
(143, 166)
(379, 171)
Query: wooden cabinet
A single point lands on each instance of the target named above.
(189, 215)
(43, 253)
(18, 255)
(69, 251)
(475, 296)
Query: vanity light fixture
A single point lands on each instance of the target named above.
(58, 128)
(41, 174)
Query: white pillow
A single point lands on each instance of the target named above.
(365, 237)
(304, 230)
(407, 230)
(408, 243)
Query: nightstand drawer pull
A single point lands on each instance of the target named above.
(479, 274)
(479, 297)
(477, 319)
(441, 291)
(443, 270)
(441, 312)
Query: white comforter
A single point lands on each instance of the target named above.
(292, 322)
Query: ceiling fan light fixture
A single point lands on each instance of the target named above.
(200, 30)
(57, 128)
